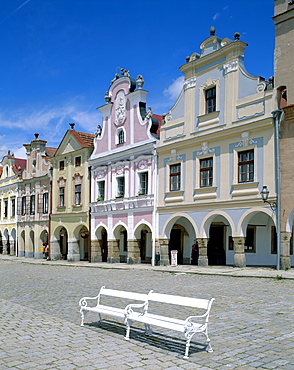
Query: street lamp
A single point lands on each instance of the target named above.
(264, 195)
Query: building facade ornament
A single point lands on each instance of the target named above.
(231, 66)
(191, 82)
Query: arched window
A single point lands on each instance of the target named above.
(120, 136)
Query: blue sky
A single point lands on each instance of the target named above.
(58, 56)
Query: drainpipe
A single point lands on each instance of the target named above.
(277, 115)
(154, 221)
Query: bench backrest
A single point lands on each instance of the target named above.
(123, 294)
(180, 301)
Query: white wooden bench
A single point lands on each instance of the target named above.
(192, 325)
(93, 304)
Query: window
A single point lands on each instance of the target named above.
(101, 190)
(78, 199)
(61, 165)
(206, 172)
(32, 205)
(23, 206)
(5, 208)
(120, 136)
(13, 207)
(120, 186)
(78, 161)
(143, 178)
(61, 197)
(246, 166)
(210, 100)
(175, 177)
(45, 202)
(250, 239)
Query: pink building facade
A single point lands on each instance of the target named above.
(123, 175)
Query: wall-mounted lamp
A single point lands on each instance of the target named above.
(264, 195)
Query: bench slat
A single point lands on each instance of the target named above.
(179, 300)
(124, 294)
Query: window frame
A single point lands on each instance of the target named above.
(78, 194)
(205, 170)
(101, 190)
(78, 161)
(23, 205)
(45, 203)
(120, 136)
(5, 208)
(251, 247)
(210, 108)
(61, 196)
(246, 163)
(175, 175)
(143, 190)
(13, 207)
(32, 204)
(61, 165)
(120, 194)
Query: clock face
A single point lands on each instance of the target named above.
(120, 110)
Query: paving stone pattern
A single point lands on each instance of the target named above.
(251, 321)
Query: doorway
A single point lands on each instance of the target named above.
(216, 252)
(176, 243)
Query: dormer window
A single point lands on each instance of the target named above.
(210, 100)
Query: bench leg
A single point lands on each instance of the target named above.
(186, 356)
(83, 316)
(128, 328)
(209, 348)
(148, 330)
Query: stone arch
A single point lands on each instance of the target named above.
(120, 233)
(211, 217)
(173, 219)
(258, 228)
(13, 241)
(143, 241)
(80, 243)
(243, 222)
(181, 232)
(59, 243)
(290, 222)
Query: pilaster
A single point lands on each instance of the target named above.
(133, 252)
(285, 262)
(163, 250)
(96, 246)
(113, 252)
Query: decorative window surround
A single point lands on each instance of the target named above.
(246, 188)
(207, 120)
(210, 83)
(174, 196)
(209, 192)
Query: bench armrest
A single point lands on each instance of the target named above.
(83, 301)
(129, 308)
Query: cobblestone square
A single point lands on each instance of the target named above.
(251, 323)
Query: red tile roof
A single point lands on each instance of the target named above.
(50, 151)
(85, 139)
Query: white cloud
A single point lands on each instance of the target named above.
(173, 91)
(17, 128)
(217, 15)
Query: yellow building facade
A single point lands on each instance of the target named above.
(215, 155)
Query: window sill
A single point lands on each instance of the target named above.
(208, 192)
(60, 207)
(245, 189)
(77, 205)
(210, 119)
(174, 196)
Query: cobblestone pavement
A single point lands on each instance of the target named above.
(251, 324)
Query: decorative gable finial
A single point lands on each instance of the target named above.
(212, 31)
(36, 135)
(237, 36)
(72, 126)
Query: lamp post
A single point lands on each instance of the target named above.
(274, 206)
